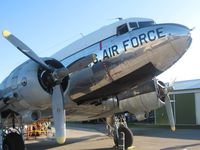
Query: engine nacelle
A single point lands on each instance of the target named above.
(31, 85)
(30, 116)
(143, 98)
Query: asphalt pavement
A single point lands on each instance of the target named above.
(93, 137)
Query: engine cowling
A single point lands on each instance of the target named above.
(31, 85)
(143, 98)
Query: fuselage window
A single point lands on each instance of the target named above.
(133, 25)
(122, 29)
(145, 24)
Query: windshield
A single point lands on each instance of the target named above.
(133, 25)
(143, 24)
(122, 29)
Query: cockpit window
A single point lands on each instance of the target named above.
(122, 29)
(145, 24)
(133, 25)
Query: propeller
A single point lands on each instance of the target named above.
(168, 105)
(24, 49)
(57, 75)
(59, 113)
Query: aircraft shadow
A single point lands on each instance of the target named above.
(45, 143)
(41, 144)
(188, 134)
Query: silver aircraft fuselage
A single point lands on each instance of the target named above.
(122, 62)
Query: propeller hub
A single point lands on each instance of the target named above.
(48, 79)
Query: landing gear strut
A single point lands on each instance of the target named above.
(119, 126)
(11, 137)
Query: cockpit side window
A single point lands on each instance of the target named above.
(122, 29)
(133, 25)
(143, 24)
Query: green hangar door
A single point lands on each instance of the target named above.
(185, 108)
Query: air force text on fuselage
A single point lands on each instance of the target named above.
(132, 42)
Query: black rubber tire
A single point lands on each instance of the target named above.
(13, 141)
(128, 136)
(115, 139)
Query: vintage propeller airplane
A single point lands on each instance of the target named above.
(103, 74)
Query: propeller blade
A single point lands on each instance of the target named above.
(170, 115)
(60, 73)
(171, 84)
(59, 114)
(81, 63)
(25, 49)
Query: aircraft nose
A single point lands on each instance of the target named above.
(180, 38)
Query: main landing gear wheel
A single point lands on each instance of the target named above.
(13, 141)
(119, 125)
(128, 136)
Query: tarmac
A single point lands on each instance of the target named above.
(93, 137)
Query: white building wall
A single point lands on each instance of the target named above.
(197, 106)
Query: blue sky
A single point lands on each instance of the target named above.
(48, 25)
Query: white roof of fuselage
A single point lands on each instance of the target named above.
(94, 37)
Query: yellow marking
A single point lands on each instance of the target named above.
(131, 147)
(173, 129)
(60, 140)
(39, 131)
(6, 33)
